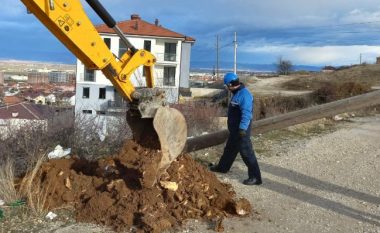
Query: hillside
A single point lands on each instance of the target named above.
(364, 74)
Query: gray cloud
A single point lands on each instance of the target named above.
(276, 24)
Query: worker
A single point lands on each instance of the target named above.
(239, 121)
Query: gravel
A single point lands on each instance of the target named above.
(324, 183)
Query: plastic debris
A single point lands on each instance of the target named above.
(59, 152)
(337, 118)
(51, 215)
(17, 203)
(2, 202)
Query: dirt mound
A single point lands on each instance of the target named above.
(122, 191)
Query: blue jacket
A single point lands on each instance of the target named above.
(240, 110)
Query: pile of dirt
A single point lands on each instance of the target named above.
(122, 191)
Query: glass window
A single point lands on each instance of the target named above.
(86, 92)
(169, 76)
(108, 42)
(148, 45)
(101, 112)
(89, 75)
(122, 48)
(102, 93)
(170, 51)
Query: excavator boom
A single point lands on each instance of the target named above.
(67, 20)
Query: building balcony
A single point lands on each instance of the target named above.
(87, 77)
(115, 106)
(166, 57)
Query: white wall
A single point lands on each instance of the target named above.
(12, 126)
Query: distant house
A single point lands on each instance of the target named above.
(59, 77)
(378, 60)
(1, 78)
(67, 98)
(10, 100)
(14, 117)
(328, 69)
(50, 99)
(38, 77)
(36, 97)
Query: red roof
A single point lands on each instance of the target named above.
(137, 26)
(12, 100)
(25, 110)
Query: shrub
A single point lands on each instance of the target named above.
(330, 91)
(275, 105)
(200, 116)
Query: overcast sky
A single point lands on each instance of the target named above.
(323, 32)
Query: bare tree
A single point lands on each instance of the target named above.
(284, 66)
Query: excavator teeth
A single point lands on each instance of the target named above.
(146, 102)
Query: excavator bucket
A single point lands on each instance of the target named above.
(171, 129)
(167, 132)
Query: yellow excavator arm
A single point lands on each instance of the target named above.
(67, 20)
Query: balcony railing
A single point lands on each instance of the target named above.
(164, 57)
(116, 104)
(87, 77)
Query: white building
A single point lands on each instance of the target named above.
(95, 94)
(1, 78)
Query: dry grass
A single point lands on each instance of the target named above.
(31, 188)
(368, 75)
(329, 92)
(8, 192)
(275, 105)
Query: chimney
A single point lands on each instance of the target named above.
(136, 25)
(156, 22)
(135, 17)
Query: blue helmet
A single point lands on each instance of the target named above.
(229, 77)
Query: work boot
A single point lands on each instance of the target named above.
(252, 181)
(215, 168)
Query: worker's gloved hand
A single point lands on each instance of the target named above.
(242, 133)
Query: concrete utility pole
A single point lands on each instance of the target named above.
(360, 59)
(217, 56)
(235, 52)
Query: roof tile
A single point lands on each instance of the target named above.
(137, 26)
(25, 110)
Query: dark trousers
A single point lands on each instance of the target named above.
(236, 144)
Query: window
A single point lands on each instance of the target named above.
(102, 93)
(86, 92)
(169, 76)
(101, 112)
(170, 51)
(87, 111)
(108, 42)
(148, 45)
(122, 48)
(89, 75)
